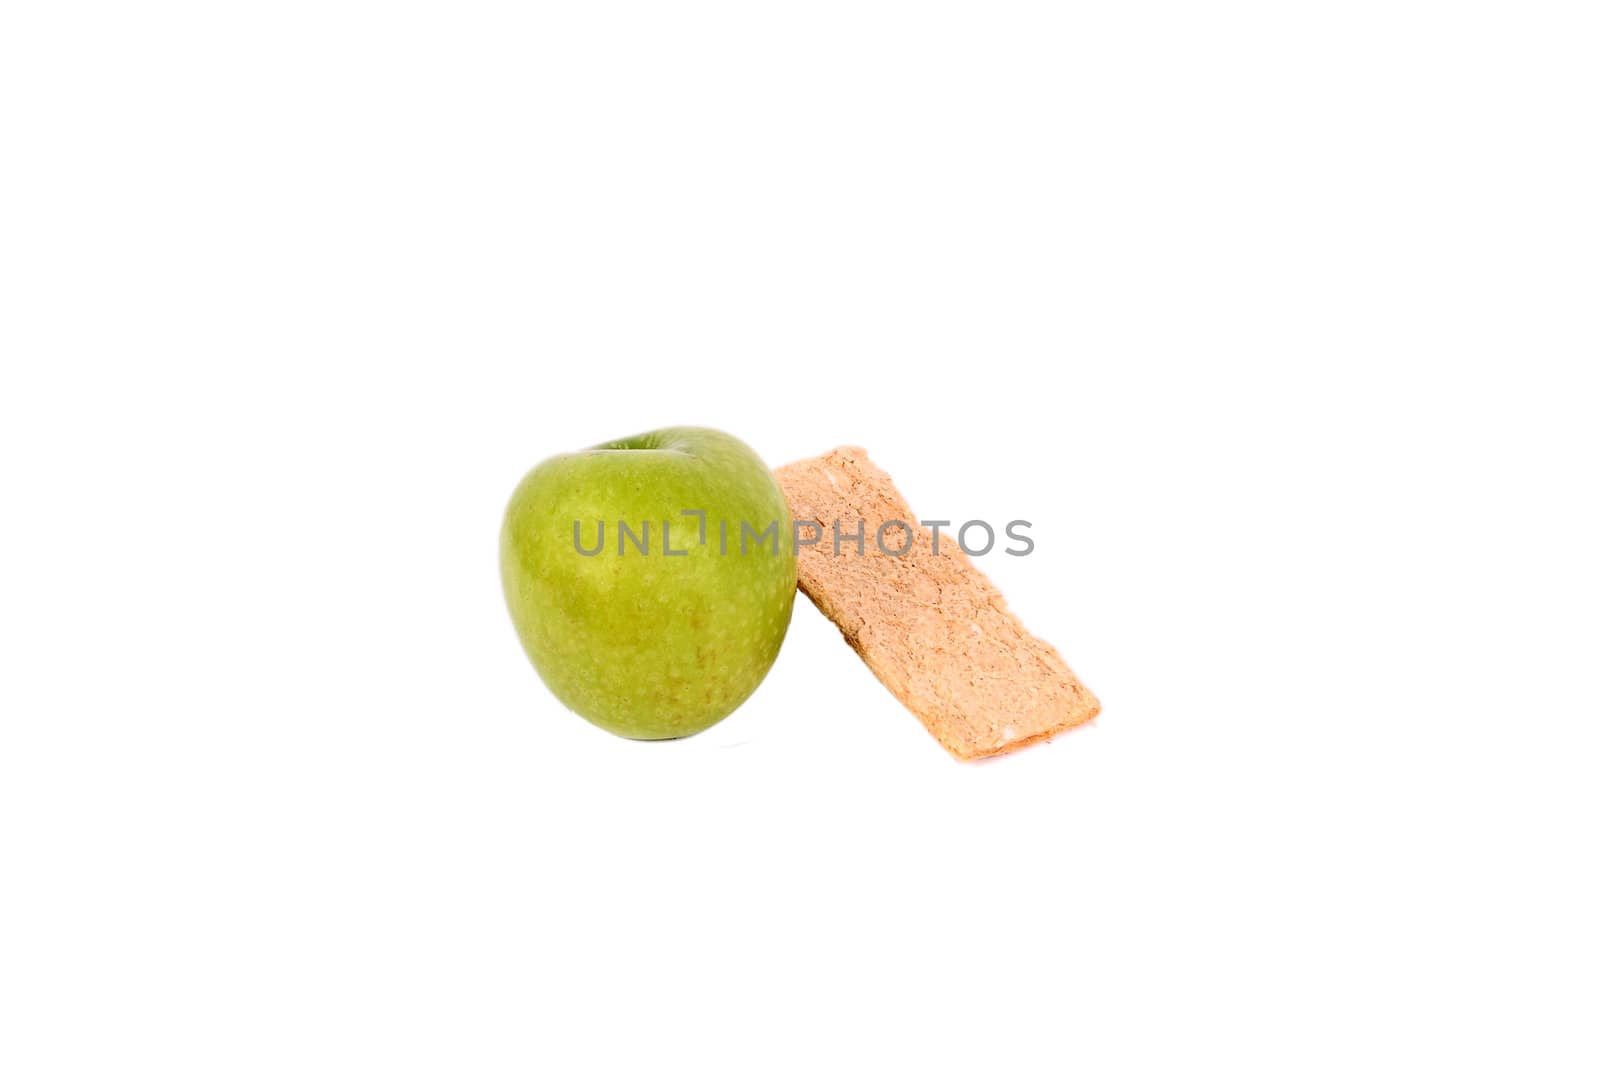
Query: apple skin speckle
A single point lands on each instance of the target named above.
(644, 644)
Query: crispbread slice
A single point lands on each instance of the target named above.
(931, 627)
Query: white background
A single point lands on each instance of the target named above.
(1278, 322)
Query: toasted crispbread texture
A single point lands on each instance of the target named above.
(931, 627)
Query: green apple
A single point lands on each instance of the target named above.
(651, 578)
